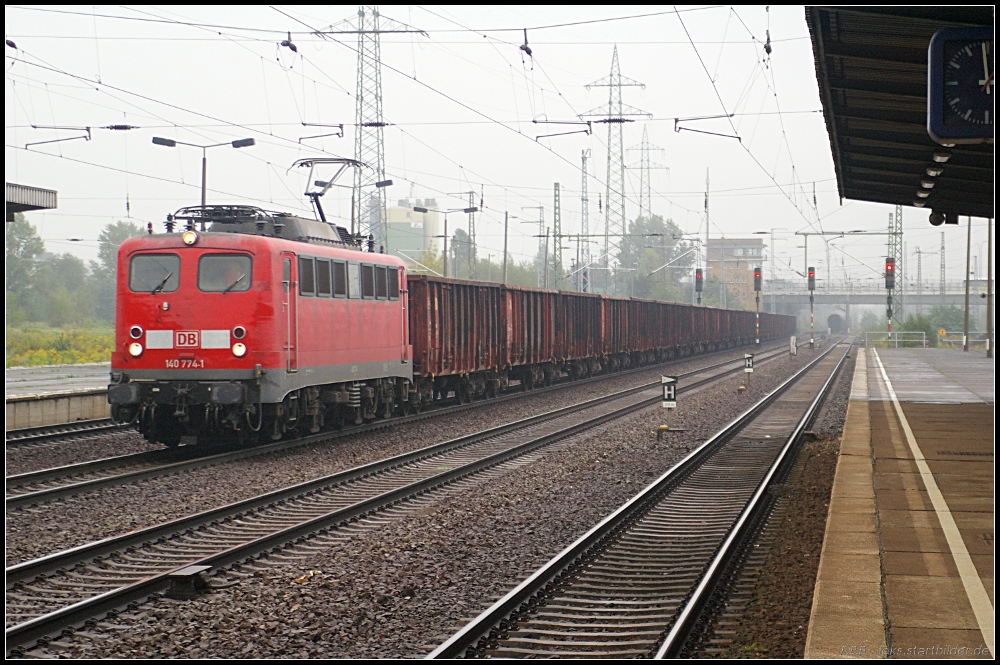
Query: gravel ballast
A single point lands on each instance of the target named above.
(400, 589)
(79, 448)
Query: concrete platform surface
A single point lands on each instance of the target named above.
(907, 568)
(21, 381)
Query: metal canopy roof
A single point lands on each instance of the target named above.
(871, 64)
(21, 198)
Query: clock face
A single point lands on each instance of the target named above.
(969, 87)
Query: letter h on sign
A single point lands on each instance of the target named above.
(669, 391)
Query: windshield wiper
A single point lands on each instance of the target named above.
(233, 285)
(160, 286)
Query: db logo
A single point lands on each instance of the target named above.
(186, 338)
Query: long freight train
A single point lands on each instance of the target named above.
(269, 323)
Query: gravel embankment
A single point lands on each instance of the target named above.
(32, 533)
(400, 589)
(776, 620)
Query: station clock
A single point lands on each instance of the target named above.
(961, 87)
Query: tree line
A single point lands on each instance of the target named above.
(60, 290)
(652, 261)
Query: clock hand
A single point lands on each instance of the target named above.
(987, 83)
(987, 77)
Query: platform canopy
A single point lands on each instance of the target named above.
(871, 64)
(21, 198)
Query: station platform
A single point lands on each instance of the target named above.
(907, 566)
(24, 381)
(55, 395)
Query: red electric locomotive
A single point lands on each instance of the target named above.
(265, 323)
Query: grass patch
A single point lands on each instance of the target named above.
(30, 347)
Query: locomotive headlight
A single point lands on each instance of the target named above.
(239, 349)
(189, 237)
(135, 349)
(135, 332)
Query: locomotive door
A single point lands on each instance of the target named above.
(291, 310)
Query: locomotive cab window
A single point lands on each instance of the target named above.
(381, 283)
(393, 284)
(367, 281)
(323, 286)
(339, 279)
(154, 273)
(307, 277)
(223, 273)
(353, 280)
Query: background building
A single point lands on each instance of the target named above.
(410, 233)
(730, 267)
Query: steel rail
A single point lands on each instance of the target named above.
(85, 609)
(522, 599)
(200, 458)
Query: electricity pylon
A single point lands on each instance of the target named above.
(645, 166)
(368, 204)
(614, 116)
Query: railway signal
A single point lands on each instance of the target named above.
(890, 284)
(756, 287)
(698, 283)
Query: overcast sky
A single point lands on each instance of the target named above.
(461, 101)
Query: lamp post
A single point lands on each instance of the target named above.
(771, 252)
(444, 264)
(170, 143)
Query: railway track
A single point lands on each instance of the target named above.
(46, 485)
(637, 584)
(47, 595)
(29, 436)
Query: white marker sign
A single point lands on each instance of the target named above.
(669, 391)
(748, 363)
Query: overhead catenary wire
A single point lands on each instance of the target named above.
(723, 105)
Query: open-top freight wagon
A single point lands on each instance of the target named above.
(474, 337)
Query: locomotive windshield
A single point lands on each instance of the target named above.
(222, 273)
(154, 273)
